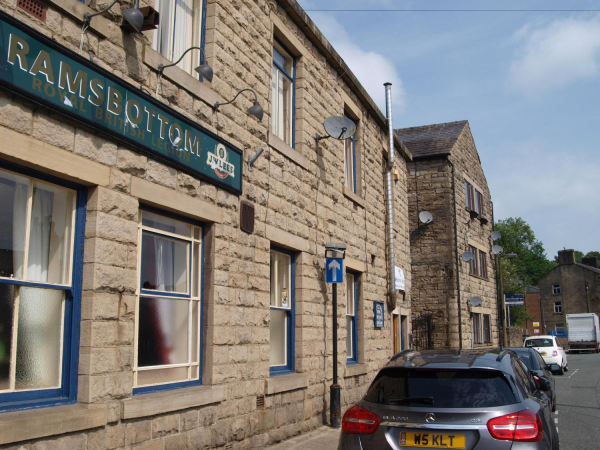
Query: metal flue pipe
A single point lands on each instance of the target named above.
(390, 198)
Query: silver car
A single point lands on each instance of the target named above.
(451, 400)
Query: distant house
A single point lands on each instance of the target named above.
(534, 310)
(569, 288)
(454, 303)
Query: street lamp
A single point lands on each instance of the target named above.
(335, 251)
(498, 251)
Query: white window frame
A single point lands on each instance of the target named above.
(277, 304)
(352, 317)
(558, 308)
(556, 289)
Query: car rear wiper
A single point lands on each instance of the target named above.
(427, 400)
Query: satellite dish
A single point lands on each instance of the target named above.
(467, 257)
(425, 217)
(496, 235)
(497, 250)
(338, 127)
(475, 301)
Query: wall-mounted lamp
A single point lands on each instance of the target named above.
(203, 69)
(256, 110)
(133, 16)
(252, 159)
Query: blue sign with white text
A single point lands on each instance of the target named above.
(334, 270)
(514, 300)
(378, 314)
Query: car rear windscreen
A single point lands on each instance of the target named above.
(440, 388)
(539, 343)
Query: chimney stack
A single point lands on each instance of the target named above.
(590, 261)
(566, 256)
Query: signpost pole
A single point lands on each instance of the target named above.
(334, 392)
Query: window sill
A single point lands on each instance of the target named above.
(354, 197)
(285, 383)
(167, 401)
(479, 276)
(355, 370)
(287, 151)
(180, 77)
(38, 423)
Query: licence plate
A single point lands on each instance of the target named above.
(432, 440)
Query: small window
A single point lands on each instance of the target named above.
(181, 27)
(487, 328)
(479, 202)
(476, 326)
(351, 318)
(473, 264)
(283, 94)
(482, 264)
(558, 307)
(556, 289)
(282, 313)
(40, 289)
(168, 311)
(559, 327)
(350, 161)
(470, 196)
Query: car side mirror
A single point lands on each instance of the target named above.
(554, 369)
(544, 384)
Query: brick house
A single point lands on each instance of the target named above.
(533, 307)
(569, 288)
(156, 292)
(454, 302)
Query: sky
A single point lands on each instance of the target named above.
(528, 82)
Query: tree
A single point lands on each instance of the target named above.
(593, 254)
(531, 261)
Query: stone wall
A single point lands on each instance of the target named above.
(300, 204)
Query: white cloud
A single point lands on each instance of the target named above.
(371, 68)
(555, 54)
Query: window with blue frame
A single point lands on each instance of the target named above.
(168, 322)
(350, 161)
(181, 27)
(41, 242)
(282, 312)
(283, 94)
(351, 318)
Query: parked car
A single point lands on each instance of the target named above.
(543, 374)
(451, 399)
(550, 349)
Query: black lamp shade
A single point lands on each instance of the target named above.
(134, 17)
(256, 110)
(205, 71)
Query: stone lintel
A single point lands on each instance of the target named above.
(355, 370)
(163, 402)
(354, 197)
(287, 151)
(177, 202)
(38, 155)
(76, 10)
(285, 383)
(38, 423)
(286, 239)
(355, 264)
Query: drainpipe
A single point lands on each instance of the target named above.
(460, 342)
(390, 198)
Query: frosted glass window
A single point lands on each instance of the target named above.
(168, 327)
(351, 325)
(278, 337)
(14, 193)
(281, 325)
(280, 280)
(282, 91)
(7, 310)
(165, 264)
(163, 331)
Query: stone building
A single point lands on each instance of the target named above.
(156, 292)
(569, 288)
(454, 302)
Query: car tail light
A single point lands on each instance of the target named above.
(520, 426)
(554, 353)
(360, 421)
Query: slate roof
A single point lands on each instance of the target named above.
(593, 269)
(431, 140)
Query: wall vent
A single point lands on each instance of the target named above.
(34, 7)
(260, 402)
(247, 216)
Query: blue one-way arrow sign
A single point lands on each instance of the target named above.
(334, 270)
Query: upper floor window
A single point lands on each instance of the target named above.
(558, 307)
(282, 313)
(487, 328)
(482, 264)
(181, 27)
(473, 264)
(350, 162)
(351, 318)
(478, 202)
(168, 309)
(283, 95)
(476, 325)
(40, 290)
(469, 195)
(556, 288)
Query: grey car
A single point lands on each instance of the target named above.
(451, 399)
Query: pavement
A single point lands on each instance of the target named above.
(323, 438)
